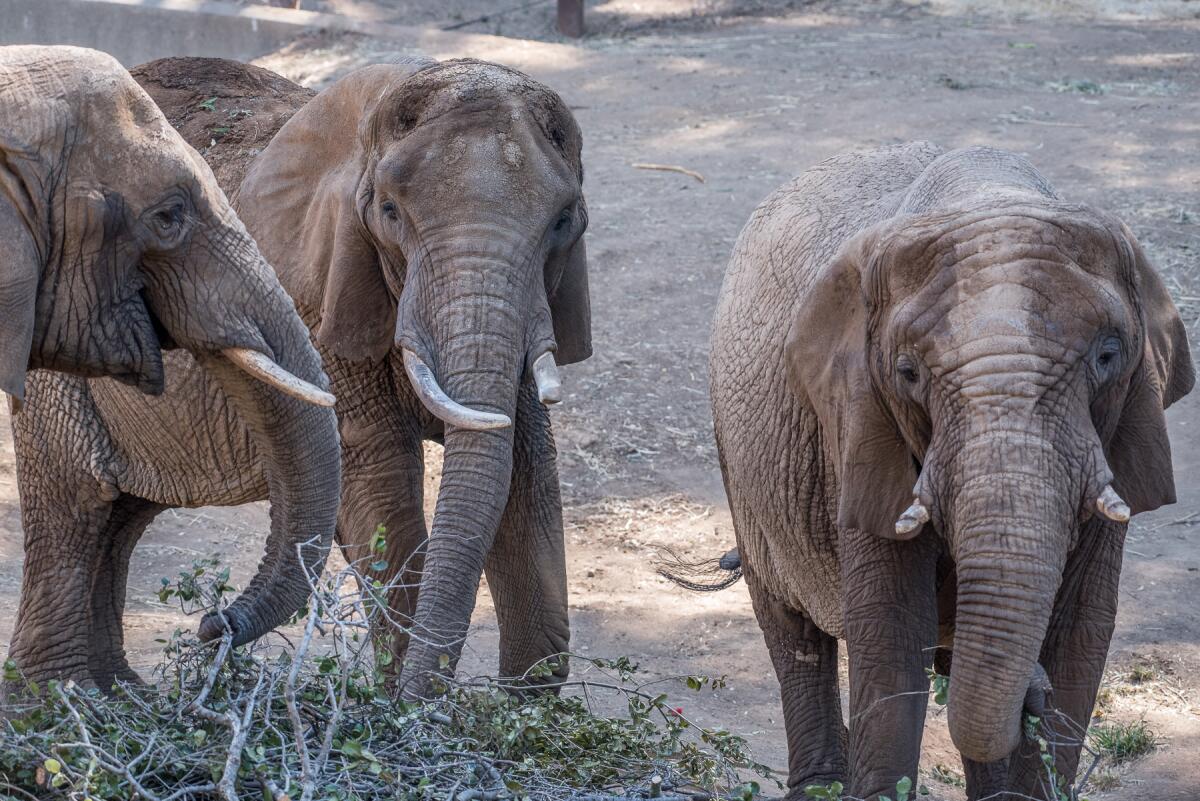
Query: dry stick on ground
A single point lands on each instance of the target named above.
(668, 168)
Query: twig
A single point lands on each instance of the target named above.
(669, 168)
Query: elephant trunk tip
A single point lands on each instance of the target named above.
(214, 624)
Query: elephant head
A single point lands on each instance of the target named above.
(995, 367)
(119, 243)
(447, 233)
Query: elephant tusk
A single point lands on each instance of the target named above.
(545, 375)
(439, 403)
(1111, 506)
(265, 369)
(912, 518)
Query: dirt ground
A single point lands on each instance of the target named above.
(1108, 107)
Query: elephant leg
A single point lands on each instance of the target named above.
(52, 636)
(126, 523)
(526, 567)
(986, 779)
(383, 469)
(806, 664)
(890, 603)
(1073, 654)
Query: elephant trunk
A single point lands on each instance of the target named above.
(481, 338)
(299, 444)
(1011, 533)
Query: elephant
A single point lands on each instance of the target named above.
(938, 391)
(128, 278)
(427, 218)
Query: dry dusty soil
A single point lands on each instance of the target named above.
(1107, 106)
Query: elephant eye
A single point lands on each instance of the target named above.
(166, 220)
(564, 220)
(167, 225)
(906, 368)
(389, 209)
(1109, 355)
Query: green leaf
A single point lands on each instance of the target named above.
(52, 766)
(903, 789)
(210, 104)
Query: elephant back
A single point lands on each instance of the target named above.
(228, 111)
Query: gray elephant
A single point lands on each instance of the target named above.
(938, 393)
(119, 244)
(428, 221)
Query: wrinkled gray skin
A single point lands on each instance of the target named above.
(436, 207)
(906, 323)
(117, 242)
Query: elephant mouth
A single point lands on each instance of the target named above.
(140, 364)
(165, 340)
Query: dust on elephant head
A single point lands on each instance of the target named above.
(994, 362)
(117, 237)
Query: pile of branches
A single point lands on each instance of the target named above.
(315, 719)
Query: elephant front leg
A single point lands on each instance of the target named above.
(526, 567)
(806, 664)
(890, 605)
(106, 638)
(53, 631)
(1073, 654)
(383, 469)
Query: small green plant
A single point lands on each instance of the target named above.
(1142, 673)
(1122, 742)
(940, 686)
(833, 791)
(946, 775)
(209, 105)
(1105, 780)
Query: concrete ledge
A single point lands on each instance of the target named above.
(136, 31)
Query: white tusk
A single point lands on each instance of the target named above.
(545, 375)
(439, 403)
(1111, 506)
(264, 368)
(912, 518)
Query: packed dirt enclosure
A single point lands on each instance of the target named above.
(1103, 97)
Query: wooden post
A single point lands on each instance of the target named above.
(570, 18)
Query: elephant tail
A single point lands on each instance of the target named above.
(708, 575)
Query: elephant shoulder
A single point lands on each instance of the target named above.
(226, 110)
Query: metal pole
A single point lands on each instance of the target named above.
(570, 18)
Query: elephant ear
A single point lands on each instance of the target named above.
(571, 307)
(567, 277)
(303, 199)
(20, 273)
(827, 352)
(1140, 450)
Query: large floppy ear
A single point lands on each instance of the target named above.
(20, 273)
(828, 354)
(303, 199)
(571, 308)
(1139, 453)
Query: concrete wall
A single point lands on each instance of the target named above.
(136, 31)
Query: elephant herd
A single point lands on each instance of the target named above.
(937, 388)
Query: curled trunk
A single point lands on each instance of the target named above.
(298, 442)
